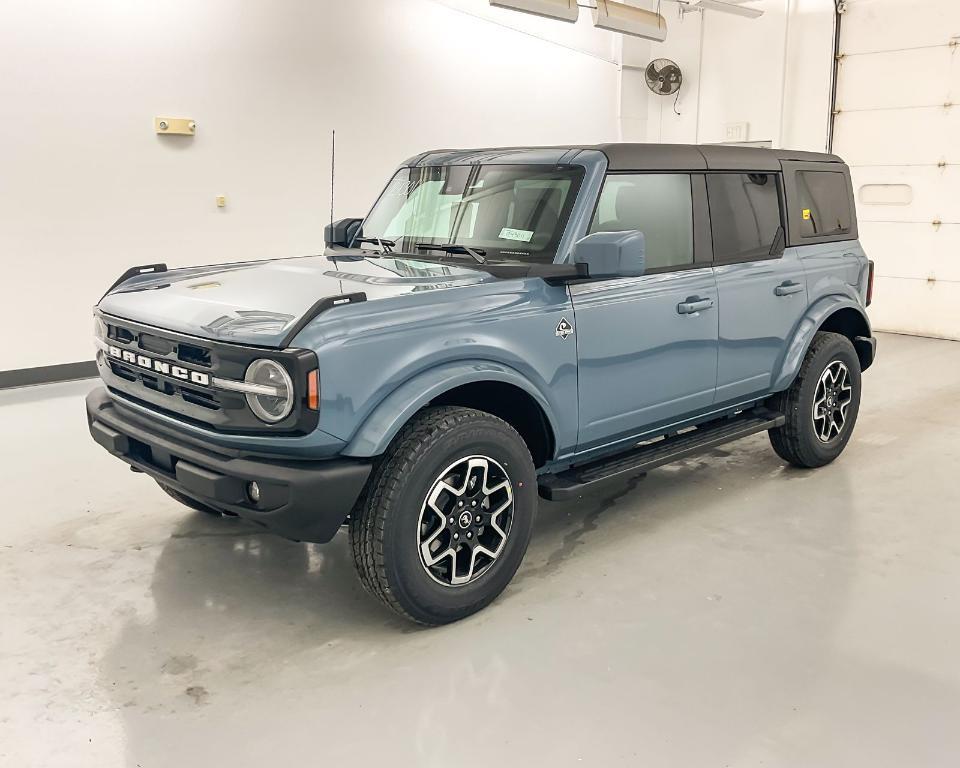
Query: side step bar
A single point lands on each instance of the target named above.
(585, 478)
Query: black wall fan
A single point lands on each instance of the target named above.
(663, 77)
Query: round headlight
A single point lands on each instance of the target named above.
(275, 401)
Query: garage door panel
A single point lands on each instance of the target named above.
(933, 193)
(899, 137)
(915, 251)
(898, 74)
(921, 77)
(915, 306)
(872, 25)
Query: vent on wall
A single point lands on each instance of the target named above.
(886, 194)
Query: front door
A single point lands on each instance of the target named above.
(646, 346)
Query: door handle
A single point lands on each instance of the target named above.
(693, 304)
(787, 287)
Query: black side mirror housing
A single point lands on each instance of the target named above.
(341, 232)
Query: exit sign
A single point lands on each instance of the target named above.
(736, 132)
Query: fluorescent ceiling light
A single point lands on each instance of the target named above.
(562, 10)
(619, 17)
(726, 7)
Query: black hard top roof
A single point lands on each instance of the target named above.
(716, 157)
(626, 157)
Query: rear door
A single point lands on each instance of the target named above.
(647, 346)
(762, 288)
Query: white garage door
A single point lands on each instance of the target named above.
(898, 96)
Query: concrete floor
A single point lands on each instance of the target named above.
(726, 611)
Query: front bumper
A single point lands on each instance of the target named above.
(301, 500)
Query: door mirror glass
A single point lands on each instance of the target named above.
(612, 254)
(341, 232)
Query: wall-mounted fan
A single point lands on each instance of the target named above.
(663, 77)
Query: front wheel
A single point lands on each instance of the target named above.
(446, 516)
(821, 405)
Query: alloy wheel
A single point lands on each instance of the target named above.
(831, 401)
(465, 520)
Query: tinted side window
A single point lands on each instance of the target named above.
(744, 214)
(658, 204)
(824, 203)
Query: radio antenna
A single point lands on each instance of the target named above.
(333, 166)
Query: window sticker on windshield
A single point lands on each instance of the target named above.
(523, 235)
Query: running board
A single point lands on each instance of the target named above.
(585, 478)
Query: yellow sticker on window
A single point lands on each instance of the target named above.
(806, 214)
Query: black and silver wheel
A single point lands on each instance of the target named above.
(465, 520)
(821, 405)
(446, 516)
(831, 401)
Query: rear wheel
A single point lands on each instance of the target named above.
(821, 405)
(446, 516)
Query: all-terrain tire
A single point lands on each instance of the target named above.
(799, 441)
(387, 524)
(188, 502)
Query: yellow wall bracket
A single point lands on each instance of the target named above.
(180, 126)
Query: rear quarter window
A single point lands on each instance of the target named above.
(824, 203)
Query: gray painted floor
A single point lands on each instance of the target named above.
(726, 611)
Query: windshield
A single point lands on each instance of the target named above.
(507, 212)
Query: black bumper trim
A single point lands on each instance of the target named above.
(301, 500)
(866, 347)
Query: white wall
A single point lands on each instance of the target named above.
(87, 188)
(772, 72)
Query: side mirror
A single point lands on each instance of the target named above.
(341, 232)
(612, 254)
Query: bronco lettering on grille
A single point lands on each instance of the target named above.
(159, 366)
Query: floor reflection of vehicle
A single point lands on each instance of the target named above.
(260, 649)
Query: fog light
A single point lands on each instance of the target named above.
(253, 491)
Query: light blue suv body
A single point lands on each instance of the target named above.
(583, 365)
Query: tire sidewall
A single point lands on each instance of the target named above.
(424, 598)
(839, 349)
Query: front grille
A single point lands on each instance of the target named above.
(149, 358)
(156, 344)
(123, 371)
(167, 350)
(194, 355)
(199, 397)
(117, 333)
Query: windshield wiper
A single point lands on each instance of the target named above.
(478, 254)
(385, 245)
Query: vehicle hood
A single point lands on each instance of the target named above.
(259, 302)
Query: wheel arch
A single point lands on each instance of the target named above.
(484, 385)
(836, 314)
